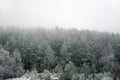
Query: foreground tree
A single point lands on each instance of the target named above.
(58, 69)
(69, 71)
(10, 64)
(86, 70)
(93, 70)
(17, 63)
(46, 75)
(75, 77)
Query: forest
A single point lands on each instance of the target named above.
(66, 52)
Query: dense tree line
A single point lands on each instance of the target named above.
(66, 52)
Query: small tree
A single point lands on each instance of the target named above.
(11, 44)
(86, 70)
(70, 69)
(58, 69)
(74, 77)
(115, 69)
(46, 75)
(93, 70)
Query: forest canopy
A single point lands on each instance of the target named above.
(64, 51)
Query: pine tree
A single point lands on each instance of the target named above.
(41, 54)
(58, 69)
(18, 66)
(49, 58)
(86, 70)
(93, 70)
(16, 54)
(108, 57)
(65, 56)
(75, 77)
(4, 61)
(46, 75)
(10, 63)
(70, 69)
(11, 44)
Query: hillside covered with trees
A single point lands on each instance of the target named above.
(66, 52)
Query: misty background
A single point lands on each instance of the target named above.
(100, 15)
(59, 40)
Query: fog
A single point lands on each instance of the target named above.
(101, 15)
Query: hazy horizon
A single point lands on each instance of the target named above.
(100, 15)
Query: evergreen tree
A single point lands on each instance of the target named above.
(74, 77)
(11, 64)
(93, 70)
(41, 47)
(70, 69)
(49, 58)
(46, 75)
(86, 70)
(108, 57)
(17, 63)
(64, 54)
(4, 63)
(11, 44)
(58, 69)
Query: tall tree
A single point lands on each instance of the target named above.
(17, 63)
(49, 58)
(65, 55)
(107, 57)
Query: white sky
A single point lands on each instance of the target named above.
(102, 15)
